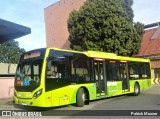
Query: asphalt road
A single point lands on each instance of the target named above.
(147, 100)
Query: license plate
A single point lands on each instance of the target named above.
(24, 103)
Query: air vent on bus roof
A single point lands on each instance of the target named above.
(98, 53)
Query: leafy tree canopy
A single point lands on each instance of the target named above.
(105, 25)
(10, 52)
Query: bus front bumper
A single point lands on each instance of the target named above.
(31, 102)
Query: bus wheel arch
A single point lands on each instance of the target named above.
(136, 89)
(82, 96)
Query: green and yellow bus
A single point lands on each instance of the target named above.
(51, 77)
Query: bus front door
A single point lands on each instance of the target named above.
(100, 77)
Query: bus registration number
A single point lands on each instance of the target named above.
(24, 103)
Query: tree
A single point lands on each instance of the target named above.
(10, 52)
(105, 25)
(139, 28)
(127, 5)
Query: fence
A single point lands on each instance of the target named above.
(7, 69)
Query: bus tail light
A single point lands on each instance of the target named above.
(37, 94)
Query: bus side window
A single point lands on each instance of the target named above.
(133, 70)
(57, 70)
(90, 70)
(80, 72)
(144, 70)
(52, 70)
(96, 71)
(114, 69)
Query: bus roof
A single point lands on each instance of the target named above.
(64, 50)
(105, 55)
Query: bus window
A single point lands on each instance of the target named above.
(114, 70)
(90, 69)
(36, 79)
(80, 71)
(28, 73)
(144, 70)
(58, 69)
(123, 71)
(96, 71)
(133, 70)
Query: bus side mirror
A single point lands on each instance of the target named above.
(49, 65)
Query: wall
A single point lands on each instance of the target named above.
(56, 17)
(155, 64)
(6, 81)
(6, 87)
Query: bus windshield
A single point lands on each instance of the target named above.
(28, 74)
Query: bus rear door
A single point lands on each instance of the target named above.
(124, 76)
(100, 76)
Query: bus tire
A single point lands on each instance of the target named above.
(136, 89)
(80, 99)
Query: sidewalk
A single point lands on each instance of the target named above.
(6, 104)
(5, 100)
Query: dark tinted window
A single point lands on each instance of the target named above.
(133, 69)
(65, 67)
(28, 75)
(139, 70)
(80, 69)
(144, 70)
(114, 70)
(58, 69)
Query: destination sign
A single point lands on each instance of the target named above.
(32, 55)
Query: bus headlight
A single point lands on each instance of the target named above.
(37, 94)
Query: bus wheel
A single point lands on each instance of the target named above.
(136, 89)
(80, 97)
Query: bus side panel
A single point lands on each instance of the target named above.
(91, 88)
(61, 96)
(67, 95)
(146, 83)
(143, 83)
(92, 91)
(42, 101)
(114, 88)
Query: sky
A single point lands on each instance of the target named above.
(30, 13)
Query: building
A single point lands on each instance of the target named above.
(9, 31)
(56, 17)
(150, 48)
